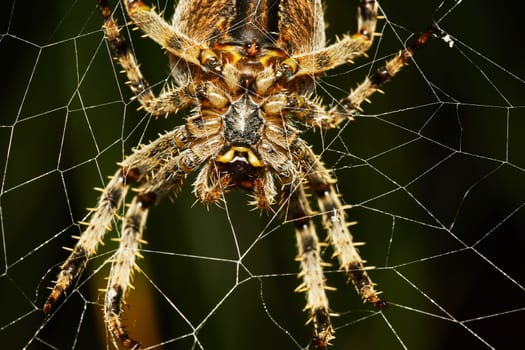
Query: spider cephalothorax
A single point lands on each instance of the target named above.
(247, 68)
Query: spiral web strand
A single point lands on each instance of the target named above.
(434, 171)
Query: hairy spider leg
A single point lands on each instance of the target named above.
(171, 100)
(313, 113)
(174, 42)
(168, 179)
(351, 105)
(334, 221)
(132, 169)
(309, 255)
(343, 51)
(339, 53)
(88, 242)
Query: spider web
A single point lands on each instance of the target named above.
(434, 170)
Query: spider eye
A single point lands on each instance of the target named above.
(252, 49)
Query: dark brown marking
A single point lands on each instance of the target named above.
(116, 301)
(323, 328)
(357, 275)
(146, 200)
(113, 197)
(322, 61)
(381, 77)
(70, 270)
(129, 175)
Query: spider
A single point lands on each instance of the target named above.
(247, 68)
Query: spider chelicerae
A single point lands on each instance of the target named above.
(248, 69)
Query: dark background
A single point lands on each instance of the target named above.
(435, 170)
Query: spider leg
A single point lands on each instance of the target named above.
(339, 53)
(164, 34)
(310, 112)
(350, 105)
(334, 220)
(88, 242)
(133, 168)
(169, 101)
(313, 113)
(208, 186)
(264, 192)
(167, 179)
(300, 214)
(123, 265)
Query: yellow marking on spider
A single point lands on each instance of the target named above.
(230, 154)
